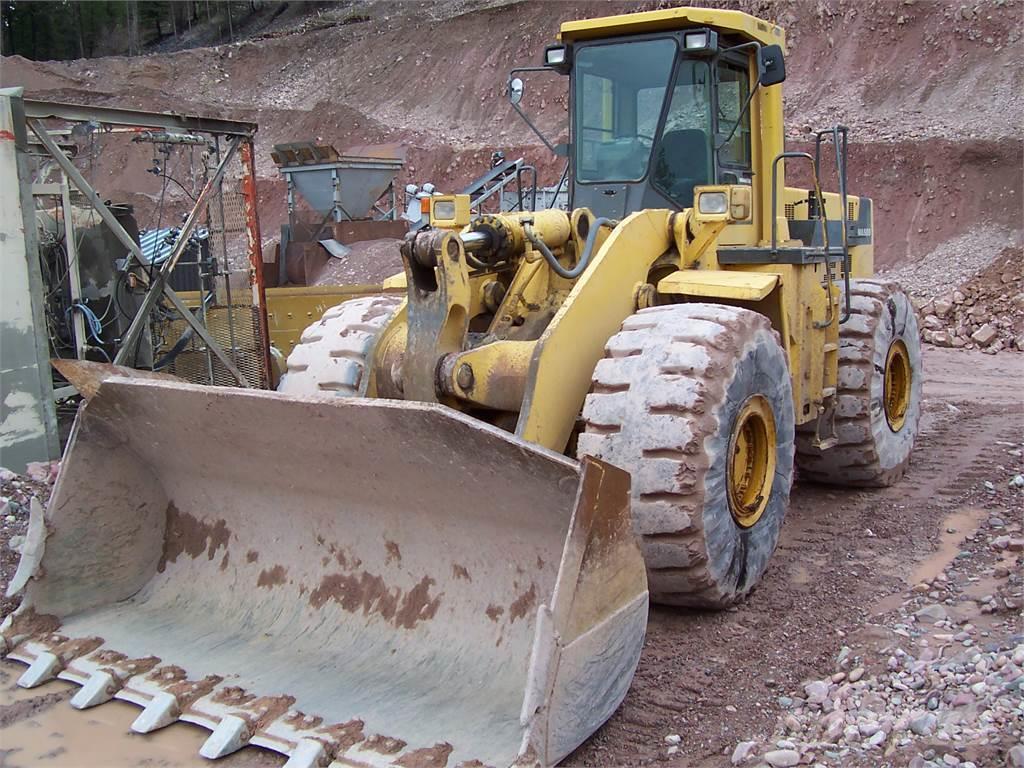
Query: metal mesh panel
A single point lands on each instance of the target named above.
(227, 300)
(237, 330)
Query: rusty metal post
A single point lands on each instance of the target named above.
(252, 226)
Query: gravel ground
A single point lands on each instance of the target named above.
(943, 684)
(16, 492)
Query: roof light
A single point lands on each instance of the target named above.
(556, 57)
(700, 41)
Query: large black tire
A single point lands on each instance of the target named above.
(664, 404)
(330, 358)
(873, 447)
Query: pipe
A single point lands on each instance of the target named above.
(588, 248)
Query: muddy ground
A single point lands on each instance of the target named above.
(843, 571)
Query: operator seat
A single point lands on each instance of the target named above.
(682, 162)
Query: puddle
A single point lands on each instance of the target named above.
(963, 523)
(58, 736)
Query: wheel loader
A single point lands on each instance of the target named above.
(436, 543)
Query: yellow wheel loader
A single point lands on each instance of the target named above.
(436, 543)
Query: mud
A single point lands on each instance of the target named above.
(523, 604)
(430, 757)
(189, 535)
(271, 577)
(828, 577)
(368, 593)
(827, 583)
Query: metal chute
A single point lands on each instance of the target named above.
(348, 582)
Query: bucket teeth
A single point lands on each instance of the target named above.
(308, 753)
(98, 689)
(161, 711)
(43, 669)
(230, 735)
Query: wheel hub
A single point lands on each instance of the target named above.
(898, 378)
(751, 460)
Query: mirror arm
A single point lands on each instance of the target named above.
(522, 114)
(739, 118)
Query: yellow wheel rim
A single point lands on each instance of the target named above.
(898, 378)
(751, 461)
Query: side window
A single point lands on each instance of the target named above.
(596, 119)
(733, 90)
(682, 159)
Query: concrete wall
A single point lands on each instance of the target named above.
(28, 425)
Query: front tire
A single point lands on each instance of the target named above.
(695, 401)
(331, 357)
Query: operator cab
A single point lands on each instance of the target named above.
(646, 111)
(655, 115)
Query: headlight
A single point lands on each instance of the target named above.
(444, 210)
(713, 202)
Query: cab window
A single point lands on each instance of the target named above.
(733, 90)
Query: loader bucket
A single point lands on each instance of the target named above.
(346, 582)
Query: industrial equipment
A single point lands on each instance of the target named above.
(348, 198)
(441, 568)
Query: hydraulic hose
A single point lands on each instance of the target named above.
(588, 248)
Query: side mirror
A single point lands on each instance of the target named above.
(771, 65)
(516, 88)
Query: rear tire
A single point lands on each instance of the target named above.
(879, 393)
(330, 358)
(677, 393)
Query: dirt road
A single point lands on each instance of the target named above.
(845, 563)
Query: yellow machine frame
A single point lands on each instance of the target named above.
(544, 333)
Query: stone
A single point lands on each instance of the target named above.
(984, 335)
(950, 759)
(924, 724)
(833, 724)
(817, 691)
(868, 728)
(674, 738)
(743, 752)
(782, 758)
(875, 740)
(1017, 481)
(15, 543)
(941, 339)
(1015, 545)
(942, 306)
(1015, 757)
(931, 614)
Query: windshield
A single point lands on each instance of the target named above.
(619, 92)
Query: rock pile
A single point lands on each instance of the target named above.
(986, 312)
(16, 494)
